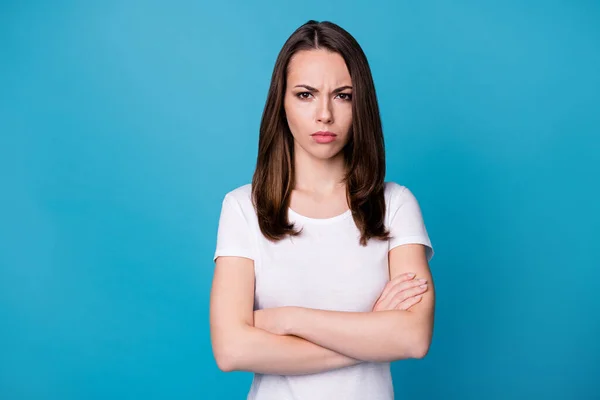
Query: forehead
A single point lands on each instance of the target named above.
(318, 67)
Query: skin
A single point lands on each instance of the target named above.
(319, 168)
(319, 193)
(295, 340)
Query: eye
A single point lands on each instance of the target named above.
(301, 95)
(346, 96)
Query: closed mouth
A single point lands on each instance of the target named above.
(323, 134)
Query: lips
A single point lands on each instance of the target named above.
(324, 133)
(324, 137)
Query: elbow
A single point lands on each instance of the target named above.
(420, 349)
(231, 356)
(415, 345)
(421, 343)
(224, 361)
(229, 350)
(226, 354)
(417, 350)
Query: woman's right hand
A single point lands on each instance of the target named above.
(401, 293)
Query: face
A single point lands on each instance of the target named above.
(318, 98)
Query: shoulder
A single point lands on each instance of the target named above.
(393, 188)
(240, 194)
(241, 199)
(393, 192)
(398, 195)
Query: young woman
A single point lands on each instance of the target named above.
(322, 276)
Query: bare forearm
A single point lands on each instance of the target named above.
(263, 352)
(381, 336)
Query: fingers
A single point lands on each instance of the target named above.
(399, 290)
(390, 285)
(408, 303)
(407, 295)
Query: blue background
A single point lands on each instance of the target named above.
(124, 123)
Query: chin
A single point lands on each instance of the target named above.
(326, 154)
(320, 151)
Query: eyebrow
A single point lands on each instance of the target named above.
(312, 89)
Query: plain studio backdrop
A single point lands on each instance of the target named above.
(124, 123)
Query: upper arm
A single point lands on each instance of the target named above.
(410, 251)
(232, 292)
(231, 304)
(412, 258)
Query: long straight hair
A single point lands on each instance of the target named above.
(364, 153)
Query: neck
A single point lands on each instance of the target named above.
(319, 176)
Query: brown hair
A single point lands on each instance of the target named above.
(364, 154)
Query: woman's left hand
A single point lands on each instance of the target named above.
(275, 320)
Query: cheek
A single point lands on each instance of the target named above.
(347, 115)
(344, 117)
(297, 118)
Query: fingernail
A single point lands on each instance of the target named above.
(423, 286)
(411, 275)
(422, 280)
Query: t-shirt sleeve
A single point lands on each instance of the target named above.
(233, 237)
(406, 223)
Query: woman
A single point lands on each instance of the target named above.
(321, 267)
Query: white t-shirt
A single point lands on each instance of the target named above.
(324, 268)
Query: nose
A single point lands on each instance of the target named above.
(324, 112)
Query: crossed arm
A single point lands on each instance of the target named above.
(296, 340)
